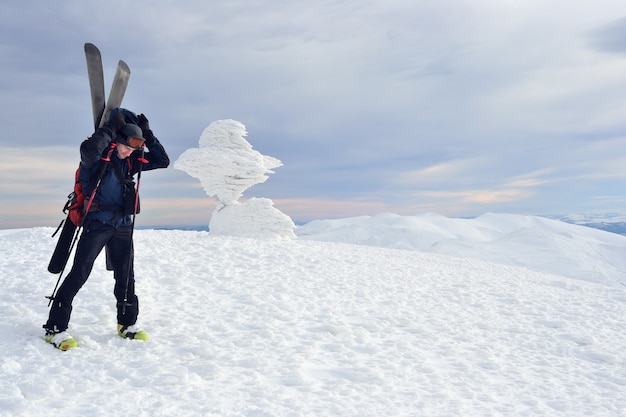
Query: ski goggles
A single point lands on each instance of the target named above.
(135, 143)
(130, 135)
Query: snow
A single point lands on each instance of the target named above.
(226, 165)
(537, 243)
(502, 315)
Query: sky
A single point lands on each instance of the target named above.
(404, 106)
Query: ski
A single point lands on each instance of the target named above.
(70, 232)
(116, 95)
(63, 248)
(96, 82)
(118, 89)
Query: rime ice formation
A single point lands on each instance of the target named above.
(226, 166)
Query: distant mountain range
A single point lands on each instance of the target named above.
(610, 222)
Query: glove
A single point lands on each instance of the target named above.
(142, 122)
(116, 122)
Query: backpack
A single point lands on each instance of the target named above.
(75, 206)
(69, 227)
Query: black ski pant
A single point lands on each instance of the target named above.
(95, 236)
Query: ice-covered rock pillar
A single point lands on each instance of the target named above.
(226, 166)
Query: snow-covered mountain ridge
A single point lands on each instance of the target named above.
(537, 243)
(610, 222)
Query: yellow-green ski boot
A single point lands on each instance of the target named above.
(61, 340)
(131, 332)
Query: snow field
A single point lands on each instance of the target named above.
(250, 327)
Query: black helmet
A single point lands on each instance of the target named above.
(130, 135)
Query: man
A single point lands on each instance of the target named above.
(112, 153)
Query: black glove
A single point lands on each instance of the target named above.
(116, 122)
(142, 122)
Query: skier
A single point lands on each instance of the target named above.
(113, 152)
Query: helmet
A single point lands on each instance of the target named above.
(130, 135)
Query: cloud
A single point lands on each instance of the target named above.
(363, 101)
(28, 172)
(611, 37)
(307, 209)
(478, 196)
(442, 174)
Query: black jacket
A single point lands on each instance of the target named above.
(117, 173)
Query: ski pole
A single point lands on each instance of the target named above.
(142, 161)
(106, 159)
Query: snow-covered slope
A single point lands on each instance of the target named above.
(538, 243)
(247, 327)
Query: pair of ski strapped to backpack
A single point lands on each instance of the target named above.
(79, 204)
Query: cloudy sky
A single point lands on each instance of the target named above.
(405, 106)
